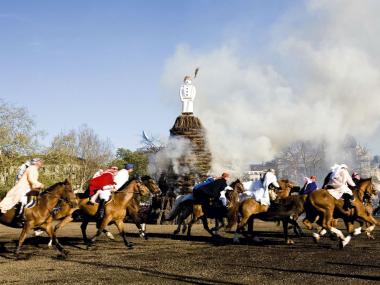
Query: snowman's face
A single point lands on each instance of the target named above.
(188, 81)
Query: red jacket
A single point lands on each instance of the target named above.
(100, 181)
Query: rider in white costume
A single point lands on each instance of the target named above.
(339, 180)
(259, 190)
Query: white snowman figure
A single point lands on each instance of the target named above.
(187, 95)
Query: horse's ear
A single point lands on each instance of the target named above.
(66, 181)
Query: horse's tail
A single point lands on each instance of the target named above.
(173, 213)
(177, 207)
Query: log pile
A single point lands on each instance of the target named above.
(198, 164)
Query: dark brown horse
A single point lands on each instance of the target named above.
(184, 209)
(134, 208)
(40, 216)
(323, 207)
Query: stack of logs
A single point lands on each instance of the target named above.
(189, 127)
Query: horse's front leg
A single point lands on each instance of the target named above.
(27, 227)
(137, 220)
(63, 223)
(285, 223)
(197, 213)
(121, 227)
(48, 227)
(240, 227)
(83, 228)
(296, 227)
(205, 225)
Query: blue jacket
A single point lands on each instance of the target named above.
(311, 187)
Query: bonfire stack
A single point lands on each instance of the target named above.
(198, 163)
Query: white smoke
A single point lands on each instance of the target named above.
(318, 79)
(176, 148)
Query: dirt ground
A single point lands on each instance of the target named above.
(163, 259)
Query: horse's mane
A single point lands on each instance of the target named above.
(232, 185)
(146, 177)
(51, 188)
(126, 184)
(365, 179)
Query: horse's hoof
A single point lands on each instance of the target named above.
(129, 245)
(109, 235)
(370, 236)
(357, 231)
(316, 237)
(345, 242)
(289, 242)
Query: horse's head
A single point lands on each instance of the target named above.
(139, 187)
(237, 186)
(232, 197)
(151, 184)
(366, 188)
(288, 185)
(68, 194)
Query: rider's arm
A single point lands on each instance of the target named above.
(33, 178)
(349, 180)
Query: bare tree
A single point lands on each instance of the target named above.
(303, 158)
(84, 148)
(17, 131)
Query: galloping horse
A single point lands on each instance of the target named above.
(65, 211)
(116, 209)
(218, 214)
(287, 209)
(184, 208)
(40, 216)
(133, 209)
(323, 205)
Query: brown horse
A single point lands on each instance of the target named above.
(133, 209)
(219, 213)
(116, 209)
(287, 209)
(40, 216)
(324, 207)
(65, 213)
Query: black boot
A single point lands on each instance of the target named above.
(347, 201)
(19, 218)
(101, 209)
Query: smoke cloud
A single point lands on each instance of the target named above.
(318, 78)
(176, 148)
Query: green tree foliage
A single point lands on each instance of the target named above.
(138, 158)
